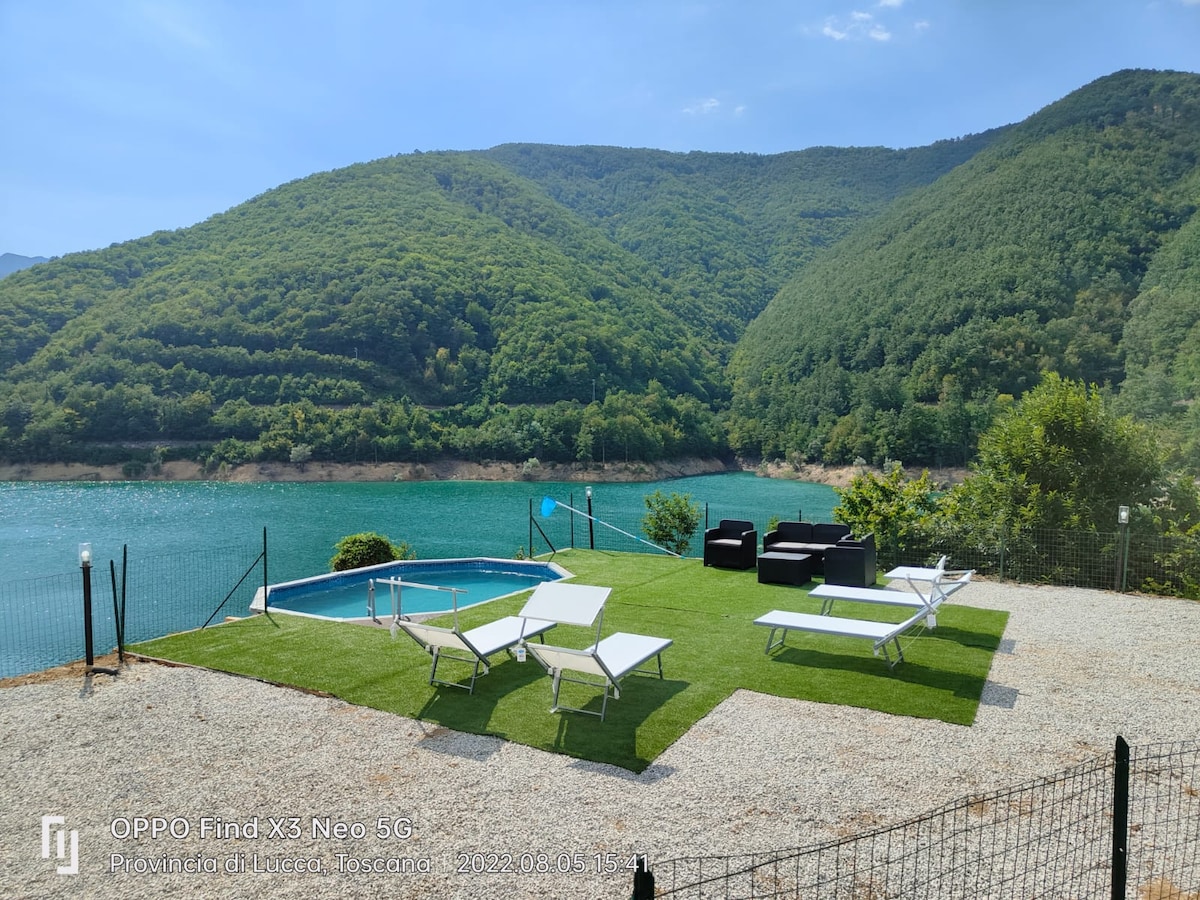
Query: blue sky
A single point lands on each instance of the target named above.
(122, 117)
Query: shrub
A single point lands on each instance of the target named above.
(670, 521)
(367, 549)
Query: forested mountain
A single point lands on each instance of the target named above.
(579, 303)
(14, 262)
(1068, 245)
(560, 303)
(726, 230)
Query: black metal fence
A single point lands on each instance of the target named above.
(1126, 825)
(1119, 560)
(41, 619)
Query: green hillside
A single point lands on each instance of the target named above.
(902, 340)
(726, 230)
(450, 303)
(588, 303)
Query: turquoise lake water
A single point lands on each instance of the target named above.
(43, 523)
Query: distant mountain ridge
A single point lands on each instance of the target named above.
(1033, 256)
(532, 302)
(14, 262)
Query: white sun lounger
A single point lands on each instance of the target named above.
(939, 592)
(473, 646)
(609, 661)
(879, 633)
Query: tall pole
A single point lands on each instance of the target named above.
(266, 599)
(1120, 820)
(591, 525)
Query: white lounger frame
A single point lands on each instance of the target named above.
(474, 646)
(610, 660)
(938, 593)
(881, 634)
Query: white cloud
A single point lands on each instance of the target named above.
(863, 25)
(830, 31)
(858, 26)
(703, 107)
(715, 108)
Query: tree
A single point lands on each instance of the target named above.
(367, 549)
(301, 454)
(1060, 459)
(897, 510)
(670, 521)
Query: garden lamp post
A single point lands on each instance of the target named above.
(85, 565)
(591, 527)
(1122, 545)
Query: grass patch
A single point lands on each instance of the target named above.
(707, 612)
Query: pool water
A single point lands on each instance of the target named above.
(345, 594)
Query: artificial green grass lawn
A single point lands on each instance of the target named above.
(707, 612)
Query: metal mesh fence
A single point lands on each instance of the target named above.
(621, 529)
(1048, 838)
(1164, 822)
(43, 623)
(1121, 560)
(43, 617)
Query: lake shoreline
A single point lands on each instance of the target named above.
(450, 470)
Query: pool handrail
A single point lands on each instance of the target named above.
(397, 596)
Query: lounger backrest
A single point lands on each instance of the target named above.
(435, 636)
(944, 589)
(565, 658)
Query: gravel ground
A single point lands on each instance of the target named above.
(206, 752)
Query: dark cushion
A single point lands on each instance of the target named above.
(829, 532)
(793, 531)
(791, 546)
(868, 541)
(734, 526)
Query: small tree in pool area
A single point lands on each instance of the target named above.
(670, 521)
(367, 549)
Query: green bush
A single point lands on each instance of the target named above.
(367, 549)
(670, 521)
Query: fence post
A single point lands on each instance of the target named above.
(118, 624)
(643, 881)
(1120, 820)
(264, 567)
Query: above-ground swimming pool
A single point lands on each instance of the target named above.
(345, 595)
